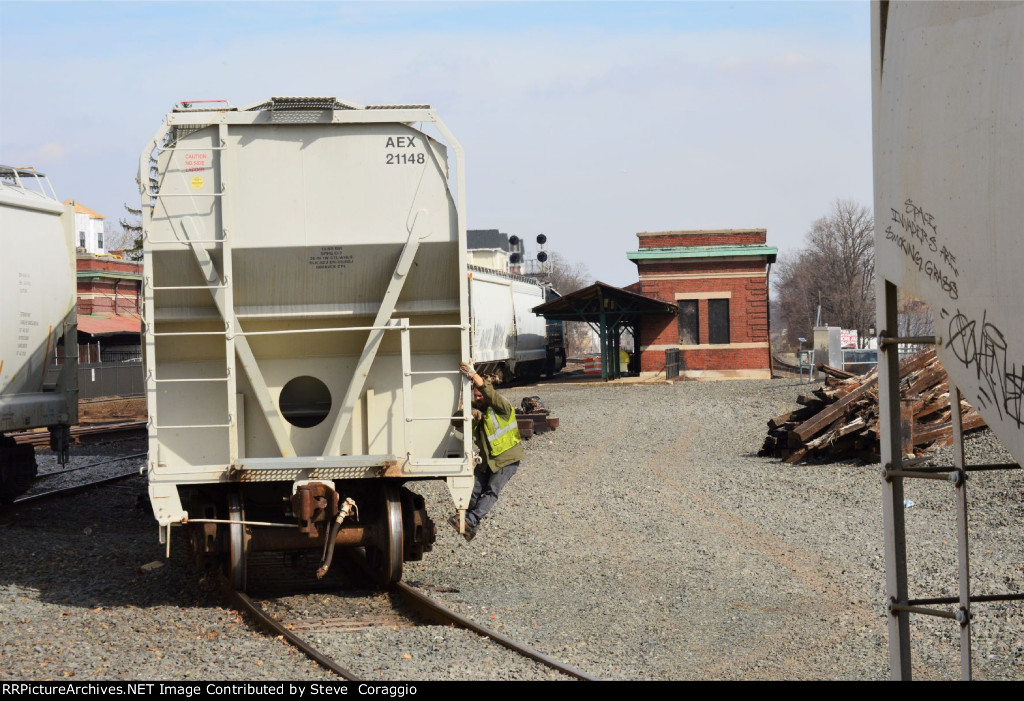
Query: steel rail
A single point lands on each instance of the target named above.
(104, 400)
(277, 629)
(67, 491)
(58, 473)
(43, 437)
(435, 609)
(424, 605)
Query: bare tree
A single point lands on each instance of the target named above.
(796, 297)
(835, 270)
(565, 277)
(130, 236)
(117, 237)
(914, 316)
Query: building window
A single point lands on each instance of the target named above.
(718, 321)
(688, 322)
(81, 239)
(99, 240)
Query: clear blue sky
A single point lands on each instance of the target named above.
(586, 121)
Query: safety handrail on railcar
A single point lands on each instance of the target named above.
(15, 174)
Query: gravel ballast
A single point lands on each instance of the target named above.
(641, 540)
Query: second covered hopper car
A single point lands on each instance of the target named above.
(38, 320)
(509, 340)
(306, 311)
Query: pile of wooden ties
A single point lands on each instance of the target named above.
(840, 420)
(533, 417)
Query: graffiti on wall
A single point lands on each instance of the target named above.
(983, 348)
(913, 230)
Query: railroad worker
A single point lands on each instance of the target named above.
(496, 436)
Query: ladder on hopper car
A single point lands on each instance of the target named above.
(218, 286)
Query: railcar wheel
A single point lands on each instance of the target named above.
(17, 469)
(385, 552)
(238, 543)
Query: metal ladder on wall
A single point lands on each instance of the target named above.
(898, 601)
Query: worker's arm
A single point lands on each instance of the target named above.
(469, 371)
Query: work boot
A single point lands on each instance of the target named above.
(470, 530)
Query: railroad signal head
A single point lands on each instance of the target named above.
(542, 239)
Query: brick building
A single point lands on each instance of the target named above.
(109, 308)
(719, 281)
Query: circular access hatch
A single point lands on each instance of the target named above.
(305, 401)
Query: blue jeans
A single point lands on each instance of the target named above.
(486, 488)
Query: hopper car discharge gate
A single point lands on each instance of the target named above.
(196, 229)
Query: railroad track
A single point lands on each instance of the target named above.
(779, 364)
(433, 609)
(243, 602)
(42, 438)
(404, 597)
(72, 489)
(68, 490)
(59, 473)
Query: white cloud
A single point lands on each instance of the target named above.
(51, 152)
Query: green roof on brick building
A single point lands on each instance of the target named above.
(672, 252)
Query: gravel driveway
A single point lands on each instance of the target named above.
(641, 540)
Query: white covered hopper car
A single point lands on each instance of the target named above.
(509, 340)
(306, 311)
(37, 317)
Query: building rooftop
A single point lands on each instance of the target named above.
(82, 209)
(595, 301)
(697, 232)
(486, 239)
(89, 265)
(724, 251)
(108, 325)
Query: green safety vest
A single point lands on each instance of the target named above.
(502, 434)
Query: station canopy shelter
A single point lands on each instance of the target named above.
(609, 311)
